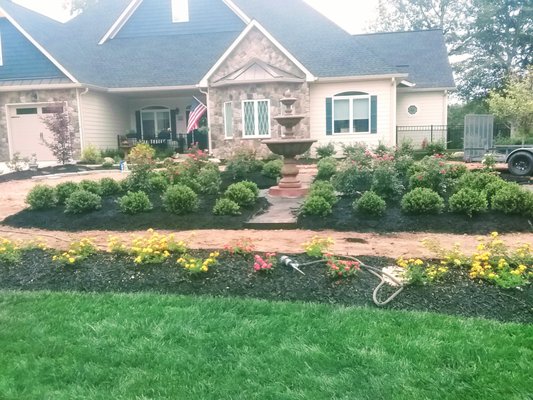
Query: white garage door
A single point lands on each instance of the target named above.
(28, 131)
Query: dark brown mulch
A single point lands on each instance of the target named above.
(234, 277)
(345, 219)
(60, 169)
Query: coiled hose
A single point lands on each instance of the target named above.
(285, 260)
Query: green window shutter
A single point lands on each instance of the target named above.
(173, 121)
(138, 123)
(373, 114)
(329, 116)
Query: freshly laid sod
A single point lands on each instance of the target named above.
(120, 346)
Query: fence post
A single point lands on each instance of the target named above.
(431, 134)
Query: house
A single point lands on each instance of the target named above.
(138, 65)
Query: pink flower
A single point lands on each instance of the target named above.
(257, 267)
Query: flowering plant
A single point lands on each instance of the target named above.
(197, 265)
(262, 265)
(78, 251)
(341, 268)
(116, 246)
(416, 272)
(155, 248)
(242, 246)
(317, 246)
(10, 251)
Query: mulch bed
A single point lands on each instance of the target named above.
(234, 277)
(60, 169)
(345, 219)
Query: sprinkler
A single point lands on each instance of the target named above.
(288, 262)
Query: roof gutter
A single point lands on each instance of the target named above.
(333, 79)
(152, 89)
(53, 86)
(426, 89)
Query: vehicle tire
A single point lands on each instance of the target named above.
(521, 163)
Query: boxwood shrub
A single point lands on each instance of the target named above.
(370, 204)
(272, 169)
(180, 199)
(42, 197)
(134, 203)
(512, 199)
(64, 190)
(468, 201)
(241, 193)
(209, 180)
(326, 167)
(226, 207)
(316, 205)
(324, 189)
(422, 201)
(91, 186)
(109, 187)
(82, 201)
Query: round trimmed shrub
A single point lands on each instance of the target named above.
(158, 183)
(241, 194)
(272, 169)
(42, 197)
(252, 186)
(109, 187)
(316, 205)
(468, 201)
(327, 167)
(180, 199)
(226, 207)
(64, 190)
(512, 199)
(352, 179)
(494, 187)
(324, 189)
(209, 180)
(422, 201)
(386, 183)
(477, 180)
(90, 186)
(134, 203)
(370, 204)
(82, 201)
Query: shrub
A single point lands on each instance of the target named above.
(436, 147)
(109, 187)
(252, 186)
(141, 156)
(226, 207)
(422, 201)
(477, 180)
(492, 188)
(405, 148)
(64, 190)
(134, 203)
(209, 180)
(433, 173)
(403, 165)
(358, 153)
(272, 169)
(158, 183)
(371, 204)
(41, 197)
(240, 194)
(386, 182)
(316, 205)
(91, 186)
(63, 136)
(91, 155)
(325, 190)
(512, 199)
(327, 150)
(82, 201)
(242, 163)
(468, 201)
(17, 162)
(180, 199)
(327, 167)
(352, 178)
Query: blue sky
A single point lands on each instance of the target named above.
(352, 15)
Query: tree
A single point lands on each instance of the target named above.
(514, 103)
(62, 144)
(499, 42)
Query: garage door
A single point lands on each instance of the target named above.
(28, 131)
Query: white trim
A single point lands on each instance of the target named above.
(254, 24)
(180, 11)
(1, 52)
(151, 89)
(39, 47)
(407, 83)
(437, 89)
(256, 134)
(359, 78)
(80, 117)
(121, 21)
(350, 119)
(233, 7)
(20, 88)
(226, 135)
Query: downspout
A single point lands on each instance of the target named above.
(80, 117)
(393, 136)
(209, 142)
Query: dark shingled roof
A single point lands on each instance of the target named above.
(320, 45)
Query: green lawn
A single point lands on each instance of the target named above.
(84, 346)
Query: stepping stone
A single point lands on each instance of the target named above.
(282, 214)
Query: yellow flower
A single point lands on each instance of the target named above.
(419, 262)
(494, 234)
(72, 260)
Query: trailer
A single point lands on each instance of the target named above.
(519, 159)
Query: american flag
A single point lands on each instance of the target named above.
(198, 110)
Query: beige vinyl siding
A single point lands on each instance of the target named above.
(103, 117)
(432, 108)
(384, 90)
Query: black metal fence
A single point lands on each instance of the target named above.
(179, 142)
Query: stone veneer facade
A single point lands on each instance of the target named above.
(38, 96)
(254, 46)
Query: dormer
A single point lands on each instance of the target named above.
(180, 11)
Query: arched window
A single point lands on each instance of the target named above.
(154, 120)
(351, 112)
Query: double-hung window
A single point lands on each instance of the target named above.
(256, 118)
(351, 114)
(154, 120)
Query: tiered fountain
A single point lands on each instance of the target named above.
(289, 147)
